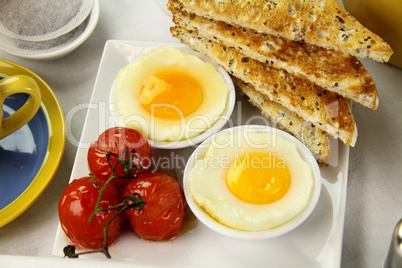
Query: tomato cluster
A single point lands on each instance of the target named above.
(121, 186)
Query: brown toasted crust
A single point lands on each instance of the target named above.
(323, 23)
(326, 110)
(336, 71)
(316, 140)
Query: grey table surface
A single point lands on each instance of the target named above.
(374, 191)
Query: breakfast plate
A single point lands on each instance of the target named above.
(315, 243)
(31, 155)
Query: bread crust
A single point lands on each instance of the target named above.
(323, 23)
(316, 140)
(326, 110)
(336, 71)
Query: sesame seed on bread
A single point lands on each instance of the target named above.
(316, 140)
(322, 23)
(326, 110)
(333, 70)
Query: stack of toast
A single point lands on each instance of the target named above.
(294, 60)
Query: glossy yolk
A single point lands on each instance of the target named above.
(258, 178)
(171, 95)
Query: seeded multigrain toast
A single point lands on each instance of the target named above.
(326, 110)
(336, 71)
(316, 140)
(323, 23)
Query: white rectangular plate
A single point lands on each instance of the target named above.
(316, 243)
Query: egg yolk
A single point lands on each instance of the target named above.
(171, 95)
(258, 178)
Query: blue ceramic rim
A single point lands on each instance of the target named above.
(19, 169)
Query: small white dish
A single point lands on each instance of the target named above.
(214, 225)
(224, 117)
(65, 48)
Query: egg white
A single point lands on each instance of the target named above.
(208, 188)
(127, 90)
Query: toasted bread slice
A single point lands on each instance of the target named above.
(326, 110)
(323, 23)
(316, 140)
(336, 71)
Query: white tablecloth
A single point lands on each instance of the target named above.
(374, 193)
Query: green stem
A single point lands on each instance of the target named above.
(101, 190)
(137, 203)
(94, 181)
(69, 251)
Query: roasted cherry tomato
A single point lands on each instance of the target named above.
(162, 216)
(121, 144)
(75, 207)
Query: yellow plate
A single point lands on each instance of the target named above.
(53, 142)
